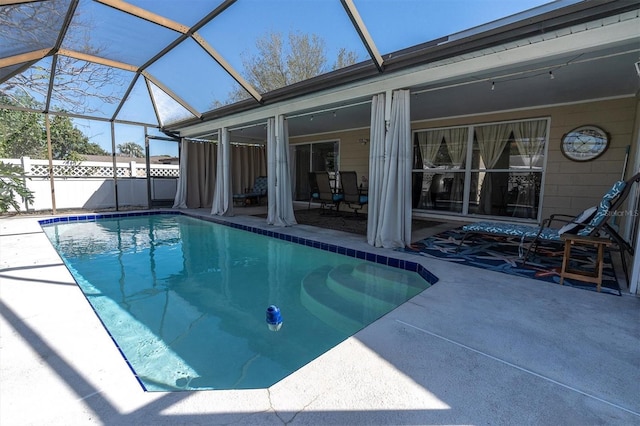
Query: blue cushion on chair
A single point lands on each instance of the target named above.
(603, 208)
(364, 199)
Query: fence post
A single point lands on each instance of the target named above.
(132, 169)
(26, 170)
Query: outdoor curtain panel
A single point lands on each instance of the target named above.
(197, 175)
(390, 155)
(223, 197)
(280, 202)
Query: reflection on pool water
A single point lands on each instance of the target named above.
(185, 299)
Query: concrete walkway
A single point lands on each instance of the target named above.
(476, 348)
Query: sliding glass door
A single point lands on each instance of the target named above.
(313, 157)
(491, 169)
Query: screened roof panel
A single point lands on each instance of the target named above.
(138, 107)
(29, 88)
(168, 110)
(236, 33)
(412, 23)
(204, 86)
(28, 27)
(185, 13)
(97, 92)
(9, 70)
(106, 32)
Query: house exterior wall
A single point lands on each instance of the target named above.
(570, 186)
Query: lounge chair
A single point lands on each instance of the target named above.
(254, 194)
(353, 195)
(590, 223)
(327, 195)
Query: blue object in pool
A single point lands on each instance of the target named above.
(274, 319)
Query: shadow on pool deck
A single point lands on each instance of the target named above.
(477, 347)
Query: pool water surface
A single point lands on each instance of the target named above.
(185, 299)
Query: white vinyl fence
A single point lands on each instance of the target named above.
(90, 185)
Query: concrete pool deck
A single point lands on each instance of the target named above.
(478, 347)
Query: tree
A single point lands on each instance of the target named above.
(23, 134)
(37, 25)
(278, 63)
(131, 149)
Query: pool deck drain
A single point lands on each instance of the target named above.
(475, 348)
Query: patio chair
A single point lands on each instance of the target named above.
(254, 194)
(353, 196)
(314, 193)
(327, 195)
(592, 222)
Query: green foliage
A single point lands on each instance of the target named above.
(23, 134)
(12, 185)
(131, 149)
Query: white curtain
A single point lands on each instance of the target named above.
(530, 137)
(456, 143)
(390, 169)
(222, 196)
(376, 165)
(429, 143)
(491, 141)
(280, 202)
(180, 201)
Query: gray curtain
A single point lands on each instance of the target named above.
(197, 175)
(280, 212)
(247, 163)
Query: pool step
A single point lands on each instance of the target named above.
(337, 312)
(346, 297)
(374, 284)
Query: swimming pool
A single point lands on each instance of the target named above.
(185, 299)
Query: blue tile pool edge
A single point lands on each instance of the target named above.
(358, 254)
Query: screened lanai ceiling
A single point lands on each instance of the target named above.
(162, 62)
(159, 62)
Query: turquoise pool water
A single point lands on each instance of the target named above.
(185, 299)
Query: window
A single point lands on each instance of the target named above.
(313, 157)
(493, 169)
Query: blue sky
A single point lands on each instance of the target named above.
(393, 25)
